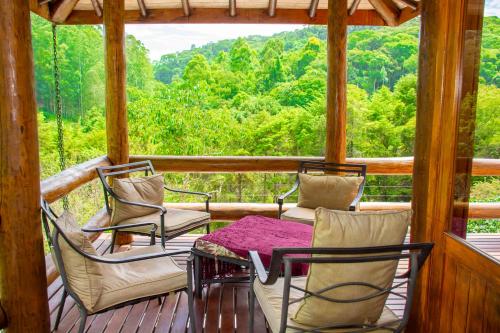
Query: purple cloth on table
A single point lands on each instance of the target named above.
(262, 234)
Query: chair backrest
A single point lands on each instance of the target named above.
(416, 253)
(81, 275)
(353, 169)
(358, 170)
(105, 172)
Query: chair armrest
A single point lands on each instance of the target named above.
(259, 266)
(105, 260)
(207, 195)
(140, 204)
(281, 198)
(124, 226)
(355, 202)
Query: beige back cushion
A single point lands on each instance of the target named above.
(84, 275)
(147, 189)
(351, 229)
(332, 192)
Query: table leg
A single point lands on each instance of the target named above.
(198, 288)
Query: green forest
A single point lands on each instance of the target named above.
(253, 96)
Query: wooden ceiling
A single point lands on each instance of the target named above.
(361, 12)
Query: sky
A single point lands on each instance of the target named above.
(170, 38)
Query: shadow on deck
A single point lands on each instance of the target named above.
(223, 308)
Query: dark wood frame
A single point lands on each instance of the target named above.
(147, 167)
(416, 253)
(48, 215)
(305, 166)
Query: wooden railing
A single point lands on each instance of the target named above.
(59, 185)
(220, 164)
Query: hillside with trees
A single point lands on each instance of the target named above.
(254, 96)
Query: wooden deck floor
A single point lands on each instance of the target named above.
(223, 308)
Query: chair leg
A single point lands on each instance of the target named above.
(189, 291)
(251, 300)
(61, 308)
(113, 240)
(208, 228)
(159, 300)
(83, 320)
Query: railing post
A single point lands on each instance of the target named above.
(116, 81)
(336, 94)
(23, 286)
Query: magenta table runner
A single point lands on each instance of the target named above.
(261, 234)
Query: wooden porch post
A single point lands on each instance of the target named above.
(23, 285)
(447, 91)
(116, 81)
(336, 95)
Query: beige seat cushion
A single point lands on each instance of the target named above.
(84, 275)
(299, 214)
(351, 229)
(175, 220)
(271, 298)
(149, 190)
(138, 279)
(332, 192)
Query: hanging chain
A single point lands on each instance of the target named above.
(58, 106)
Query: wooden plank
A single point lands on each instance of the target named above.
(179, 322)
(212, 308)
(61, 9)
(151, 316)
(491, 318)
(277, 164)
(167, 313)
(475, 311)
(134, 318)
(61, 184)
(227, 313)
(459, 316)
(336, 91)
(387, 10)
(23, 287)
(220, 15)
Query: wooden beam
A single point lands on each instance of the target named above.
(354, 7)
(142, 8)
(186, 8)
(444, 49)
(387, 10)
(62, 9)
(220, 15)
(61, 184)
(407, 14)
(313, 8)
(232, 8)
(336, 95)
(410, 3)
(23, 287)
(41, 9)
(97, 7)
(272, 8)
